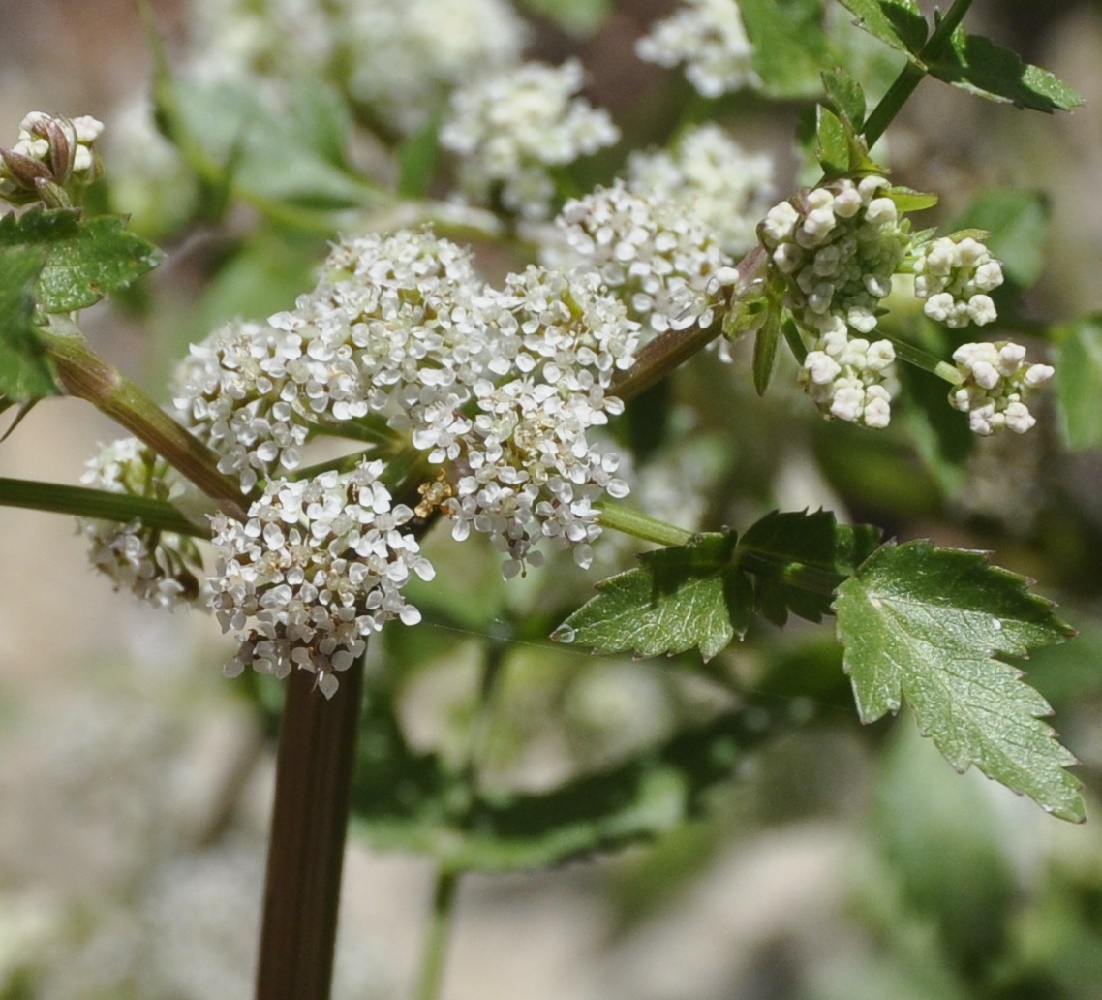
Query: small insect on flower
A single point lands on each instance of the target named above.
(433, 495)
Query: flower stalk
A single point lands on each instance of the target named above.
(313, 793)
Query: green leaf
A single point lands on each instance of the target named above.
(1017, 224)
(847, 97)
(798, 559)
(83, 259)
(296, 156)
(403, 800)
(765, 351)
(832, 143)
(925, 626)
(1078, 383)
(702, 594)
(978, 65)
(790, 49)
(24, 371)
(898, 23)
(417, 161)
(679, 598)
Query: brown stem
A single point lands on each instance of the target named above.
(317, 747)
(674, 347)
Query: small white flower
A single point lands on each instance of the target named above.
(159, 567)
(317, 568)
(712, 178)
(708, 36)
(510, 128)
(660, 260)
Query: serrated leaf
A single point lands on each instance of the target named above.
(846, 95)
(898, 23)
(665, 606)
(24, 371)
(797, 560)
(1078, 381)
(408, 801)
(789, 47)
(981, 67)
(925, 626)
(83, 259)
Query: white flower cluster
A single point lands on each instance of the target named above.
(663, 262)
(528, 469)
(510, 128)
(502, 386)
(708, 36)
(851, 379)
(997, 380)
(390, 330)
(710, 176)
(317, 567)
(159, 567)
(836, 250)
(954, 278)
(403, 58)
(241, 40)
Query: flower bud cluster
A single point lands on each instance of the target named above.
(954, 277)
(711, 177)
(708, 36)
(851, 379)
(52, 155)
(997, 381)
(511, 128)
(316, 568)
(835, 250)
(663, 262)
(159, 567)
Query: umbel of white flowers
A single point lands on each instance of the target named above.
(502, 392)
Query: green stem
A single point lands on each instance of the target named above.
(927, 362)
(913, 73)
(649, 529)
(81, 501)
(87, 376)
(317, 745)
(431, 976)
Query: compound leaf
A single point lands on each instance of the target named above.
(926, 627)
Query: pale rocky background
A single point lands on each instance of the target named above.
(134, 788)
